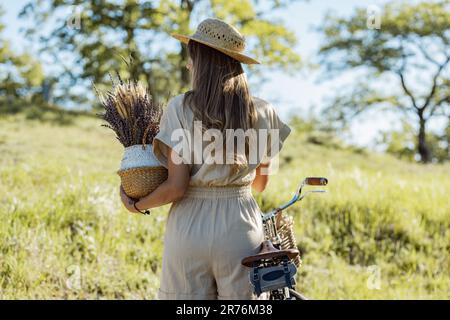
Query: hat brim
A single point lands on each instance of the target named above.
(236, 55)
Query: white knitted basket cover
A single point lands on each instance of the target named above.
(135, 157)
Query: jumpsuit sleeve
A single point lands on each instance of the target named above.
(172, 134)
(277, 134)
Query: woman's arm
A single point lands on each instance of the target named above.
(261, 180)
(169, 191)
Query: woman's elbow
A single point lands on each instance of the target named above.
(261, 178)
(258, 188)
(177, 192)
(260, 185)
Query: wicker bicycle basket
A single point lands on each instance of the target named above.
(285, 229)
(139, 182)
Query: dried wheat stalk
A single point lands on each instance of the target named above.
(130, 112)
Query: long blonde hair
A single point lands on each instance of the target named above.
(220, 96)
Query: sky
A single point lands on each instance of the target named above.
(300, 93)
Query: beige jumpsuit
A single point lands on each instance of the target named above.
(217, 222)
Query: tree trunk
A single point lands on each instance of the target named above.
(188, 6)
(185, 77)
(137, 65)
(133, 52)
(422, 146)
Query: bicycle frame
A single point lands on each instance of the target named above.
(276, 275)
(269, 218)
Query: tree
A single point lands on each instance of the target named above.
(413, 42)
(108, 31)
(400, 143)
(20, 75)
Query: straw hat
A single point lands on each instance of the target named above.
(221, 36)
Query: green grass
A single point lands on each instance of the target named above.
(64, 233)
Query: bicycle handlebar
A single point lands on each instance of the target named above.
(311, 181)
(316, 181)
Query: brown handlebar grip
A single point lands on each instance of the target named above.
(316, 181)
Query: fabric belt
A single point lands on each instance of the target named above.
(218, 192)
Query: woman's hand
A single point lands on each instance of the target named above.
(173, 188)
(127, 201)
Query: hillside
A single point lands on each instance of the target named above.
(64, 233)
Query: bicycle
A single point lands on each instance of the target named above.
(273, 269)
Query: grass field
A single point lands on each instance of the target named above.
(382, 230)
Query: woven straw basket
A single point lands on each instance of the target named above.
(140, 171)
(139, 182)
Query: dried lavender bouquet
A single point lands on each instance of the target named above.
(134, 116)
(131, 113)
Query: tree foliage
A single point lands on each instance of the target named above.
(20, 74)
(108, 31)
(411, 52)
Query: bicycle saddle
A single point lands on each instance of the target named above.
(268, 251)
